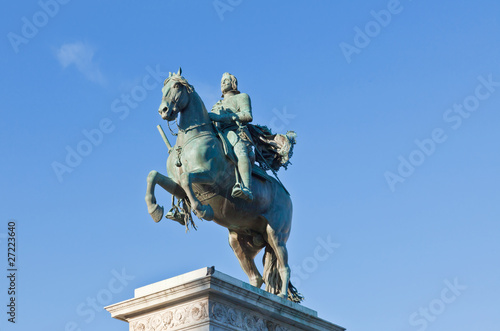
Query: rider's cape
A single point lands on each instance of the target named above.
(273, 150)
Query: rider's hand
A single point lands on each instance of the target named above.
(214, 117)
(226, 118)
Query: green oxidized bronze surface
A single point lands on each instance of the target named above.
(207, 163)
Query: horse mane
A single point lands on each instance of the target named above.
(180, 79)
(190, 88)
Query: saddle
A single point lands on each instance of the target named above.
(228, 150)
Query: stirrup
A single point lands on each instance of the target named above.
(175, 215)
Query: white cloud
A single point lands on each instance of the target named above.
(81, 56)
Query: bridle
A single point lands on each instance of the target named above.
(189, 128)
(179, 149)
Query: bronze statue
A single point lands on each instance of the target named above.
(202, 174)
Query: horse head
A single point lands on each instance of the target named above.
(176, 95)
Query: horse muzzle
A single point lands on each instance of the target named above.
(167, 112)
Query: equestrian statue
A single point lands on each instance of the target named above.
(217, 169)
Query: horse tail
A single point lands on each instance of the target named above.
(272, 277)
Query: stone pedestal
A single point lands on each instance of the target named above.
(207, 299)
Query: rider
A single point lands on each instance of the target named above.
(231, 114)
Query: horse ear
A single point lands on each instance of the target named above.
(169, 74)
(180, 71)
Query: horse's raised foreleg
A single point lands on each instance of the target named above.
(187, 181)
(168, 184)
(245, 251)
(277, 243)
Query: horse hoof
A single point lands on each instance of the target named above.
(157, 213)
(282, 296)
(206, 212)
(257, 282)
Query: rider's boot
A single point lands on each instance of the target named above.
(245, 170)
(247, 185)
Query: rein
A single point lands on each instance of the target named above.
(189, 128)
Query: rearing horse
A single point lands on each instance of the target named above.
(200, 174)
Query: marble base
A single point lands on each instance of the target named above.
(207, 299)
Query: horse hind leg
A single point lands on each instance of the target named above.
(245, 250)
(168, 184)
(276, 242)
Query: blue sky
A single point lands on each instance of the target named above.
(394, 177)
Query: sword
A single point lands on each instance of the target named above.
(165, 139)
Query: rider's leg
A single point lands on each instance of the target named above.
(241, 149)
